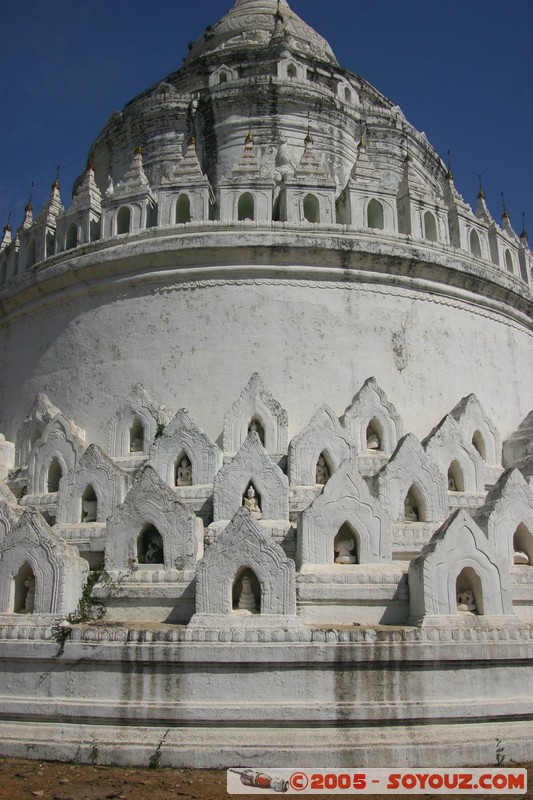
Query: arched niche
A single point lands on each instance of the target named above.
(24, 590)
(345, 506)
(50, 244)
(456, 478)
(136, 436)
(347, 545)
(374, 214)
(523, 545)
(246, 207)
(324, 468)
(246, 592)
(257, 425)
(123, 220)
(223, 77)
(468, 584)
(371, 408)
(509, 261)
(55, 474)
(374, 435)
(150, 549)
(430, 227)
(256, 402)
(414, 505)
(89, 505)
(31, 255)
(183, 470)
(183, 209)
(475, 244)
(458, 555)
(292, 71)
(311, 208)
(72, 236)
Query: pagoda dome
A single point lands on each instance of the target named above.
(252, 23)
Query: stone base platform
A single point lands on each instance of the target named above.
(371, 696)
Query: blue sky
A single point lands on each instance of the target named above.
(461, 70)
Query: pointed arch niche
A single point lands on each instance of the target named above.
(23, 592)
(247, 598)
(256, 403)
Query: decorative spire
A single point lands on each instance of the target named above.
(29, 206)
(505, 214)
(278, 16)
(6, 236)
(482, 212)
(309, 137)
(55, 185)
(449, 173)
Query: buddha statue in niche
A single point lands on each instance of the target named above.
(154, 551)
(410, 512)
(247, 597)
(345, 549)
(451, 484)
(322, 471)
(137, 445)
(520, 558)
(29, 600)
(184, 473)
(249, 501)
(372, 439)
(465, 601)
(256, 427)
(89, 510)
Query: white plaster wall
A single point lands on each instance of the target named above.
(311, 343)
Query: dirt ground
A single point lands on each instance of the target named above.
(23, 780)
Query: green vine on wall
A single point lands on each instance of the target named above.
(88, 610)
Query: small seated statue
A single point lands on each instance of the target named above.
(184, 473)
(154, 551)
(249, 501)
(410, 511)
(247, 598)
(372, 440)
(89, 510)
(137, 445)
(521, 558)
(256, 428)
(465, 601)
(29, 600)
(322, 472)
(345, 548)
(451, 484)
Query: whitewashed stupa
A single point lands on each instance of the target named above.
(274, 374)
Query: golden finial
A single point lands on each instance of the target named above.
(505, 214)
(192, 141)
(481, 193)
(55, 184)
(249, 138)
(90, 166)
(138, 150)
